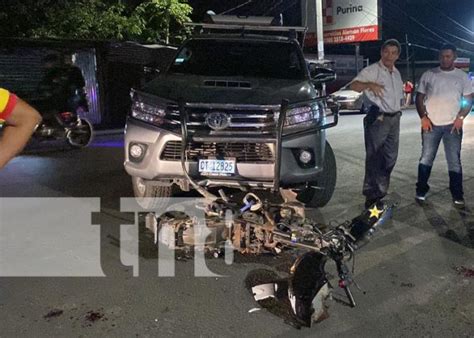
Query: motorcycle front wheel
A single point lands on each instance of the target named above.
(81, 135)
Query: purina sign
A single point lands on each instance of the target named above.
(345, 21)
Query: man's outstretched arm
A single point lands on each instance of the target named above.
(359, 86)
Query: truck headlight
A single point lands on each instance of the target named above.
(301, 116)
(148, 113)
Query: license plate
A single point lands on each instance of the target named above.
(215, 167)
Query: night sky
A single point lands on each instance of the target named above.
(428, 23)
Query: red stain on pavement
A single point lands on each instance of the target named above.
(466, 272)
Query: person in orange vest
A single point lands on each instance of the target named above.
(408, 91)
(19, 121)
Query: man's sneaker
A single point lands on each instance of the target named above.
(370, 202)
(452, 236)
(420, 197)
(459, 203)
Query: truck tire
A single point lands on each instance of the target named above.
(150, 196)
(326, 182)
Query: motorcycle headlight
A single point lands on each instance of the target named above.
(147, 112)
(304, 115)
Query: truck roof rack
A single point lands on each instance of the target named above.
(240, 19)
(249, 24)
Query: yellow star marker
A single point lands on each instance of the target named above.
(375, 212)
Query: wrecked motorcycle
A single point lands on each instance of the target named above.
(257, 226)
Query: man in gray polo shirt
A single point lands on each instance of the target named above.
(382, 86)
(443, 101)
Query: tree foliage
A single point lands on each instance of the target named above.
(160, 19)
(91, 19)
(150, 20)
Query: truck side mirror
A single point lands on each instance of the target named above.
(151, 70)
(321, 75)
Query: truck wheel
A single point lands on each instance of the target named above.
(326, 182)
(150, 196)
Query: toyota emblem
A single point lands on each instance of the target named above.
(217, 120)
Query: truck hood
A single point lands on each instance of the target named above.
(238, 90)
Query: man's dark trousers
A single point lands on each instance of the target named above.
(381, 146)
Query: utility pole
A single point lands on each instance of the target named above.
(357, 54)
(407, 56)
(312, 18)
(318, 5)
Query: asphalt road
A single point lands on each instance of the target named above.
(410, 272)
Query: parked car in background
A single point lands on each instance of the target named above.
(348, 100)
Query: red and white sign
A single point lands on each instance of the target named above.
(365, 33)
(349, 21)
(463, 63)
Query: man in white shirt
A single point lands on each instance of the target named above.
(382, 86)
(444, 99)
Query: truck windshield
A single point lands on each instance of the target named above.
(279, 60)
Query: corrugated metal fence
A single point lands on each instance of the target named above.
(86, 61)
(21, 70)
(109, 69)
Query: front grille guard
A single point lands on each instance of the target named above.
(276, 139)
(256, 153)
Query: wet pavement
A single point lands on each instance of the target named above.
(416, 274)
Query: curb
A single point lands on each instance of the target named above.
(108, 132)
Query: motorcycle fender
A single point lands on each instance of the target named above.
(308, 287)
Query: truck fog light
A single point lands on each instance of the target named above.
(305, 156)
(137, 152)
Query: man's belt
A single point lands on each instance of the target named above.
(392, 114)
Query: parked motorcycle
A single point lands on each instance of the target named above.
(62, 100)
(78, 132)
